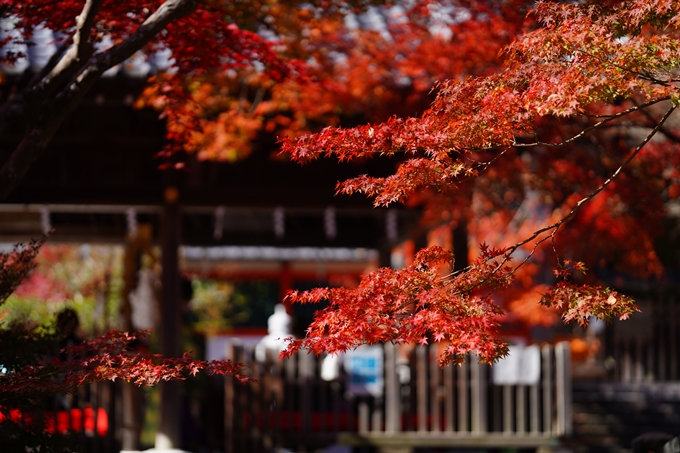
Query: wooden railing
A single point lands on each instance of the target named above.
(455, 406)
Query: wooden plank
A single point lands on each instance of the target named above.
(651, 352)
(672, 341)
(335, 404)
(268, 400)
(421, 387)
(411, 413)
(449, 418)
(661, 337)
(435, 425)
(639, 369)
(424, 441)
(463, 413)
(521, 409)
(256, 403)
(626, 362)
(80, 404)
(351, 411)
(277, 386)
(618, 359)
(229, 406)
(305, 380)
(108, 403)
(362, 412)
(478, 395)
(242, 405)
(290, 388)
(497, 409)
(563, 388)
(323, 398)
(534, 409)
(507, 409)
(392, 391)
(546, 378)
(377, 415)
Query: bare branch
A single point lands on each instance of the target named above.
(51, 63)
(52, 114)
(168, 12)
(60, 68)
(84, 22)
(670, 135)
(75, 57)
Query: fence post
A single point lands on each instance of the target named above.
(546, 352)
(449, 398)
(478, 395)
(229, 405)
(435, 406)
(563, 387)
(306, 380)
(421, 388)
(392, 391)
(463, 395)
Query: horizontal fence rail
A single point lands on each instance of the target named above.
(414, 403)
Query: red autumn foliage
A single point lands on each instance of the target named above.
(410, 305)
(108, 357)
(94, 36)
(352, 75)
(554, 122)
(577, 75)
(34, 365)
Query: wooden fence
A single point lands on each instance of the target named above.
(645, 348)
(88, 418)
(456, 406)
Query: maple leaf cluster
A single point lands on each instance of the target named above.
(108, 357)
(581, 302)
(350, 76)
(411, 305)
(560, 69)
(36, 362)
(554, 122)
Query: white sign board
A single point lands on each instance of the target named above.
(364, 368)
(522, 366)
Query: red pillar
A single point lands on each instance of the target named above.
(285, 285)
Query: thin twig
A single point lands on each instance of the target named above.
(587, 198)
(594, 126)
(506, 256)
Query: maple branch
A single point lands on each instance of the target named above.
(52, 111)
(168, 12)
(672, 136)
(597, 125)
(51, 63)
(556, 226)
(507, 253)
(78, 54)
(58, 69)
(608, 61)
